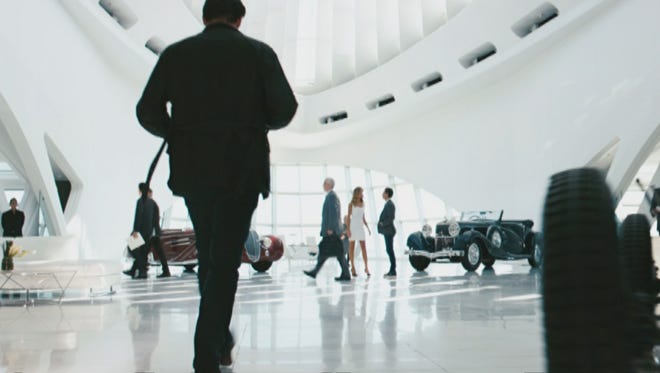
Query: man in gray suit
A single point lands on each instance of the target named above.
(331, 230)
(387, 229)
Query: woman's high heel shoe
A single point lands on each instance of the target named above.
(367, 272)
(354, 273)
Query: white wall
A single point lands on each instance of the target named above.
(487, 137)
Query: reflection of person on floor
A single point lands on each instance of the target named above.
(144, 323)
(331, 243)
(146, 223)
(388, 328)
(332, 331)
(12, 220)
(357, 326)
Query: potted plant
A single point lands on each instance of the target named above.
(9, 251)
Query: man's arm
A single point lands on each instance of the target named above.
(157, 219)
(389, 214)
(4, 221)
(281, 104)
(151, 110)
(137, 221)
(324, 217)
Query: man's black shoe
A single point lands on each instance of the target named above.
(343, 278)
(164, 274)
(129, 273)
(310, 274)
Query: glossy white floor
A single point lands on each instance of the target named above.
(440, 321)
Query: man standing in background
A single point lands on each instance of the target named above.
(387, 229)
(226, 92)
(12, 220)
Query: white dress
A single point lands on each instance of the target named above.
(357, 224)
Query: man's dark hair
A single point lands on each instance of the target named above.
(389, 192)
(231, 10)
(143, 188)
(13, 200)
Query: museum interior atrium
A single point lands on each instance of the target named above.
(464, 108)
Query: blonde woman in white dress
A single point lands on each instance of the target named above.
(355, 225)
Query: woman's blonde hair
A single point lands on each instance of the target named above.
(357, 200)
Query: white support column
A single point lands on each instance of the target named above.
(410, 22)
(289, 51)
(434, 14)
(388, 30)
(324, 44)
(343, 42)
(366, 36)
(275, 24)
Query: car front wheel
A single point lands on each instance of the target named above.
(536, 256)
(419, 262)
(261, 266)
(472, 257)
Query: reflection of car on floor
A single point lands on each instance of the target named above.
(478, 237)
(180, 250)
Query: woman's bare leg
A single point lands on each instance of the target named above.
(351, 256)
(363, 246)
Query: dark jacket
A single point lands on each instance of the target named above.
(331, 215)
(655, 202)
(12, 223)
(147, 218)
(226, 90)
(386, 220)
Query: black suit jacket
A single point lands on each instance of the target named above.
(226, 90)
(12, 223)
(386, 220)
(331, 215)
(147, 218)
(655, 202)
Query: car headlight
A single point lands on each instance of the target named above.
(454, 229)
(496, 239)
(267, 242)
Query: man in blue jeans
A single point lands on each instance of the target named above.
(387, 229)
(226, 92)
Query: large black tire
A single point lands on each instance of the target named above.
(639, 275)
(488, 260)
(473, 253)
(419, 262)
(262, 266)
(536, 243)
(583, 299)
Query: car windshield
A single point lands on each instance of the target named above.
(480, 215)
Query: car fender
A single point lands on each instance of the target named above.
(464, 239)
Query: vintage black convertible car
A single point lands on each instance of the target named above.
(478, 237)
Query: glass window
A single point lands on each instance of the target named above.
(380, 202)
(338, 173)
(292, 235)
(433, 207)
(406, 204)
(14, 193)
(287, 179)
(287, 209)
(311, 206)
(379, 180)
(312, 232)
(263, 229)
(264, 212)
(311, 179)
(357, 178)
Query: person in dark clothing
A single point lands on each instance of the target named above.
(12, 220)
(156, 244)
(655, 206)
(226, 92)
(145, 224)
(332, 233)
(387, 229)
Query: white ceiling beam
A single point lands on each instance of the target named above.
(343, 42)
(389, 43)
(366, 36)
(411, 22)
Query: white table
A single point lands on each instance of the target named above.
(36, 280)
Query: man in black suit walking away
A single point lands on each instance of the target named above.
(226, 92)
(146, 224)
(13, 220)
(387, 229)
(332, 233)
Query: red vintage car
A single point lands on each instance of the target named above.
(180, 250)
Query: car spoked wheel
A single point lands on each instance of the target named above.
(639, 274)
(472, 257)
(583, 299)
(536, 259)
(261, 266)
(419, 262)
